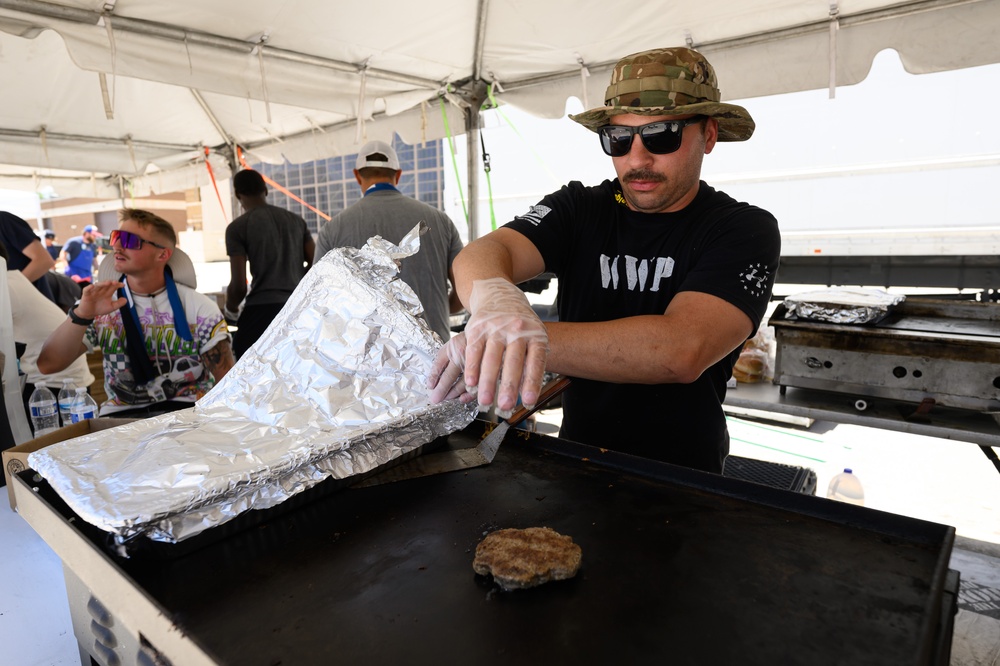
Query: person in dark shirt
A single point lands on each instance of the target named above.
(25, 252)
(661, 278)
(50, 245)
(279, 248)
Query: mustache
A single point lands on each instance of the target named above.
(647, 175)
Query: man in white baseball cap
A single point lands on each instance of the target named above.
(385, 211)
(379, 155)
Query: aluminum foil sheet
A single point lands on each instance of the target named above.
(842, 305)
(335, 387)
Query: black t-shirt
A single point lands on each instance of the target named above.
(273, 241)
(613, 262)
(16, 235)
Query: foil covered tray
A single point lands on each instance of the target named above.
(334, 388)
(842, 305)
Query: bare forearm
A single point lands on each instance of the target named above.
(235, 295)
(675, 347)
(237, 289)
(480, 260)
(503, 253)
(35, 270)
(309, 249)
(40, 262)
(62, 347)
(219, 360)
(65, 343)
(631, 350)
(454, 303)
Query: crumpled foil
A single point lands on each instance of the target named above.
(335, 387)
(842, 305)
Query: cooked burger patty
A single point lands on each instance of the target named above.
(528, 557)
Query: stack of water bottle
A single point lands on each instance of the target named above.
(73, 405)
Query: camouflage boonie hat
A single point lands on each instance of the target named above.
(668, 82)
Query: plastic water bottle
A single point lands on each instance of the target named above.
(84, 407)
(846, 487)
(44, 411)
(66, 395)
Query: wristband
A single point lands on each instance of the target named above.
(76, 319)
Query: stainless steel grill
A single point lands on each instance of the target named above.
(929, 351)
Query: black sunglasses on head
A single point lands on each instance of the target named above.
(660, 138)
(130, 241)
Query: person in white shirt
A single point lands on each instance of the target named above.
(35, 317)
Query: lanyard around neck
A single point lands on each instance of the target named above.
(180, 320)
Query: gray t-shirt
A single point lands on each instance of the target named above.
(390, 214)
(273, 240)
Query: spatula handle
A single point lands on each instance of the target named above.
(549, 391)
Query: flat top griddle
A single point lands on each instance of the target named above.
(678, 566)
(969, 322)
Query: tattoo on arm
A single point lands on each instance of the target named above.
(219, 360)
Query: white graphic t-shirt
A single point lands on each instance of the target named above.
(182, 375)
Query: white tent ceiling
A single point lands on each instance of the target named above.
(101, 94)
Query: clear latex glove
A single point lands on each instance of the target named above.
(506, 346)
(446, 382)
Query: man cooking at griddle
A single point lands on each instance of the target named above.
(661, 278)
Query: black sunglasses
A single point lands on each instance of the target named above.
(131, 241)
(659, 138)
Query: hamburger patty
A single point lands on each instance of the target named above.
(528, 557)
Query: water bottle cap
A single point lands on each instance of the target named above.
(81, 389)
(847, 470)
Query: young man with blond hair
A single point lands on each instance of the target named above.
(164, 344)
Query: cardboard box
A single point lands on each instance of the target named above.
(16, 459)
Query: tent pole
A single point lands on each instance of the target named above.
(472, 153)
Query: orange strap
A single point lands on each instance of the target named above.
(239, 154)
(211, 175)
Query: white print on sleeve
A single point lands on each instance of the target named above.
(535, 214)
(636, 272)
(755, 278)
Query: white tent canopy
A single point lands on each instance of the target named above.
(108, 96)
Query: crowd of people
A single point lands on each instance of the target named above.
(661, 278)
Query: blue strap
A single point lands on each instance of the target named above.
(380, 187)
(180, 320)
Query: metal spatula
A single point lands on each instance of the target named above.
(483, 454)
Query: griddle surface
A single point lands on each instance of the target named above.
(678, 566)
